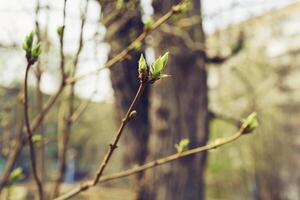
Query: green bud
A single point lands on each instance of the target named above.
(120, 4)
(149, 23)
(27, 45)
(158, 66)
(60, 30)
(185, 6)
(250, 123)
(36, 52)
(36, 138)
(16, 174)
(142, 65)
(182, 146)
(137, 45)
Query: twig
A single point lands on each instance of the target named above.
(29, 136)
(61, 41)
(152, 164)
(129, 115)
(71, 101)
(161, 161)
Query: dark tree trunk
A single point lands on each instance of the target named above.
(178, 110)
(125, 82)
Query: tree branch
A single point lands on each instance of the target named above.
(152, 164)
(129, 115)
(29, 136)
(122, 55)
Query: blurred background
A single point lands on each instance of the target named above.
(232, 58)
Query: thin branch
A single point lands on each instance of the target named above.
(71, 101)
(29, 136)
(129, 115)
(123, 54)
(238, 46)
(161, 161)
(152, 164)
(61, 41)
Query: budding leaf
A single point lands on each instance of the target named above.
(185, 6)
(36, 138)
(27, 45)
(182, 146)
(16, 174)
(60, 30)
(142, 65)
(158, 66)
(149, 23)
(250, 123)
(137, 45)
(36, 52)
(120, 4)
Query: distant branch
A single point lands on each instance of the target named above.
(133, 45)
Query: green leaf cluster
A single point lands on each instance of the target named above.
(182, 146)
(250, 123)
(17, 174)
(157, 67)
(36, 138)
(33, 51)
(142, 65)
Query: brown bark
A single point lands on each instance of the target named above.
(178, 110)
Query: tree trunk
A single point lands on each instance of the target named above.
(178, 110)
(125, 82)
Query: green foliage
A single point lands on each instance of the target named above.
(250, 123)
(17, 174)
(27, 45)
(182, 146)
(158, 66)
(32, 51)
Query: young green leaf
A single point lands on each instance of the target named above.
(120, 4)
(60, 30)
(182, 146)
(16, 174)
(27, 45)
(158, 66)
(36, 52)
(250, 123)
(142, 65)
(36, 138)
(137, 45)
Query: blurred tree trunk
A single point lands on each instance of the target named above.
(124, 76)
(178, 108)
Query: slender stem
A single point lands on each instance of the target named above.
(152, 164)
(62, 150)
(111, 149)
(161, 161)
(29, 136)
